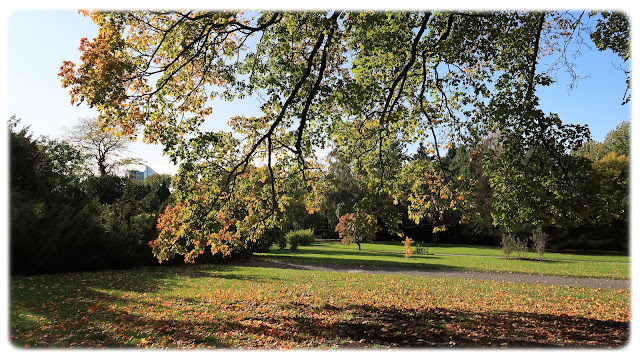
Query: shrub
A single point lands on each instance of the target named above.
(407, 246)
(270, 236)
(421, 249)
(511, 243)
(508, 244)
(282, 242)
(521, 247)
(539, 242)
(302, 237)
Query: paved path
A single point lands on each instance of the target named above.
(495, 276)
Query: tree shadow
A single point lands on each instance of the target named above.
(84, 313)
(332, 252)
(372, 326)
(364, 263)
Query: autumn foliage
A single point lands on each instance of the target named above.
(356, 228)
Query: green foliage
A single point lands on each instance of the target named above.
(264, 243)
(61, 220)
(343, 190)
(617, 141)
(421, 249)
(282, 242)
(609, 170)
(475, 187)
(107, 188)
(301, 237)
(365, 84)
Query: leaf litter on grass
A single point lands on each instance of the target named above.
(243, 307)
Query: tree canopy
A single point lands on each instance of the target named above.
(362, 83)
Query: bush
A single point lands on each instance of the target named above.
(539, 242)
(508, 244)
(302, 237)
(521, 247)
(421, 249)
(511, 243)
(282, 242)
(270, 236)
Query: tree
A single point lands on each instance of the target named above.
(343, 191)
(613, 32)
(473, 184)
(361, 82)
(617, 141)
(610, 162)
(63, 220)
(357, 227)
(101, 146)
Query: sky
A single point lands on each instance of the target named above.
(38, 40)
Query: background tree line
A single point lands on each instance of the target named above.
(602, 193)
(65, 218)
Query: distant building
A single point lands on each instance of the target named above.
(141, 175)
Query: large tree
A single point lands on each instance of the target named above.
(103, 148)
(361, 82)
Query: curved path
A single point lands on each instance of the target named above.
(495, 276)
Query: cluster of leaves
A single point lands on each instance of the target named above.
(62, 218)
(268, 308)
(363, 83)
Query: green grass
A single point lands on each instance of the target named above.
(247, 307)
(457, 257)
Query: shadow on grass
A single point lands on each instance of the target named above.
(372, 326)
(78, 311)
(355, 260)
(332, 251)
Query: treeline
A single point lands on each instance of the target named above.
(63, 218)
(604, 185)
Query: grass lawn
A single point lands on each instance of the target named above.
(236, 306)
(457, 257)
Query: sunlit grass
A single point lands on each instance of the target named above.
(251, 307)
(467, 258)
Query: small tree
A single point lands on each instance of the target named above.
(508, 244)
(357, 227)
(539, 242)
(407, 246)
(521, 247)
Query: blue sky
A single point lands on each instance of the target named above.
(39, 40)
